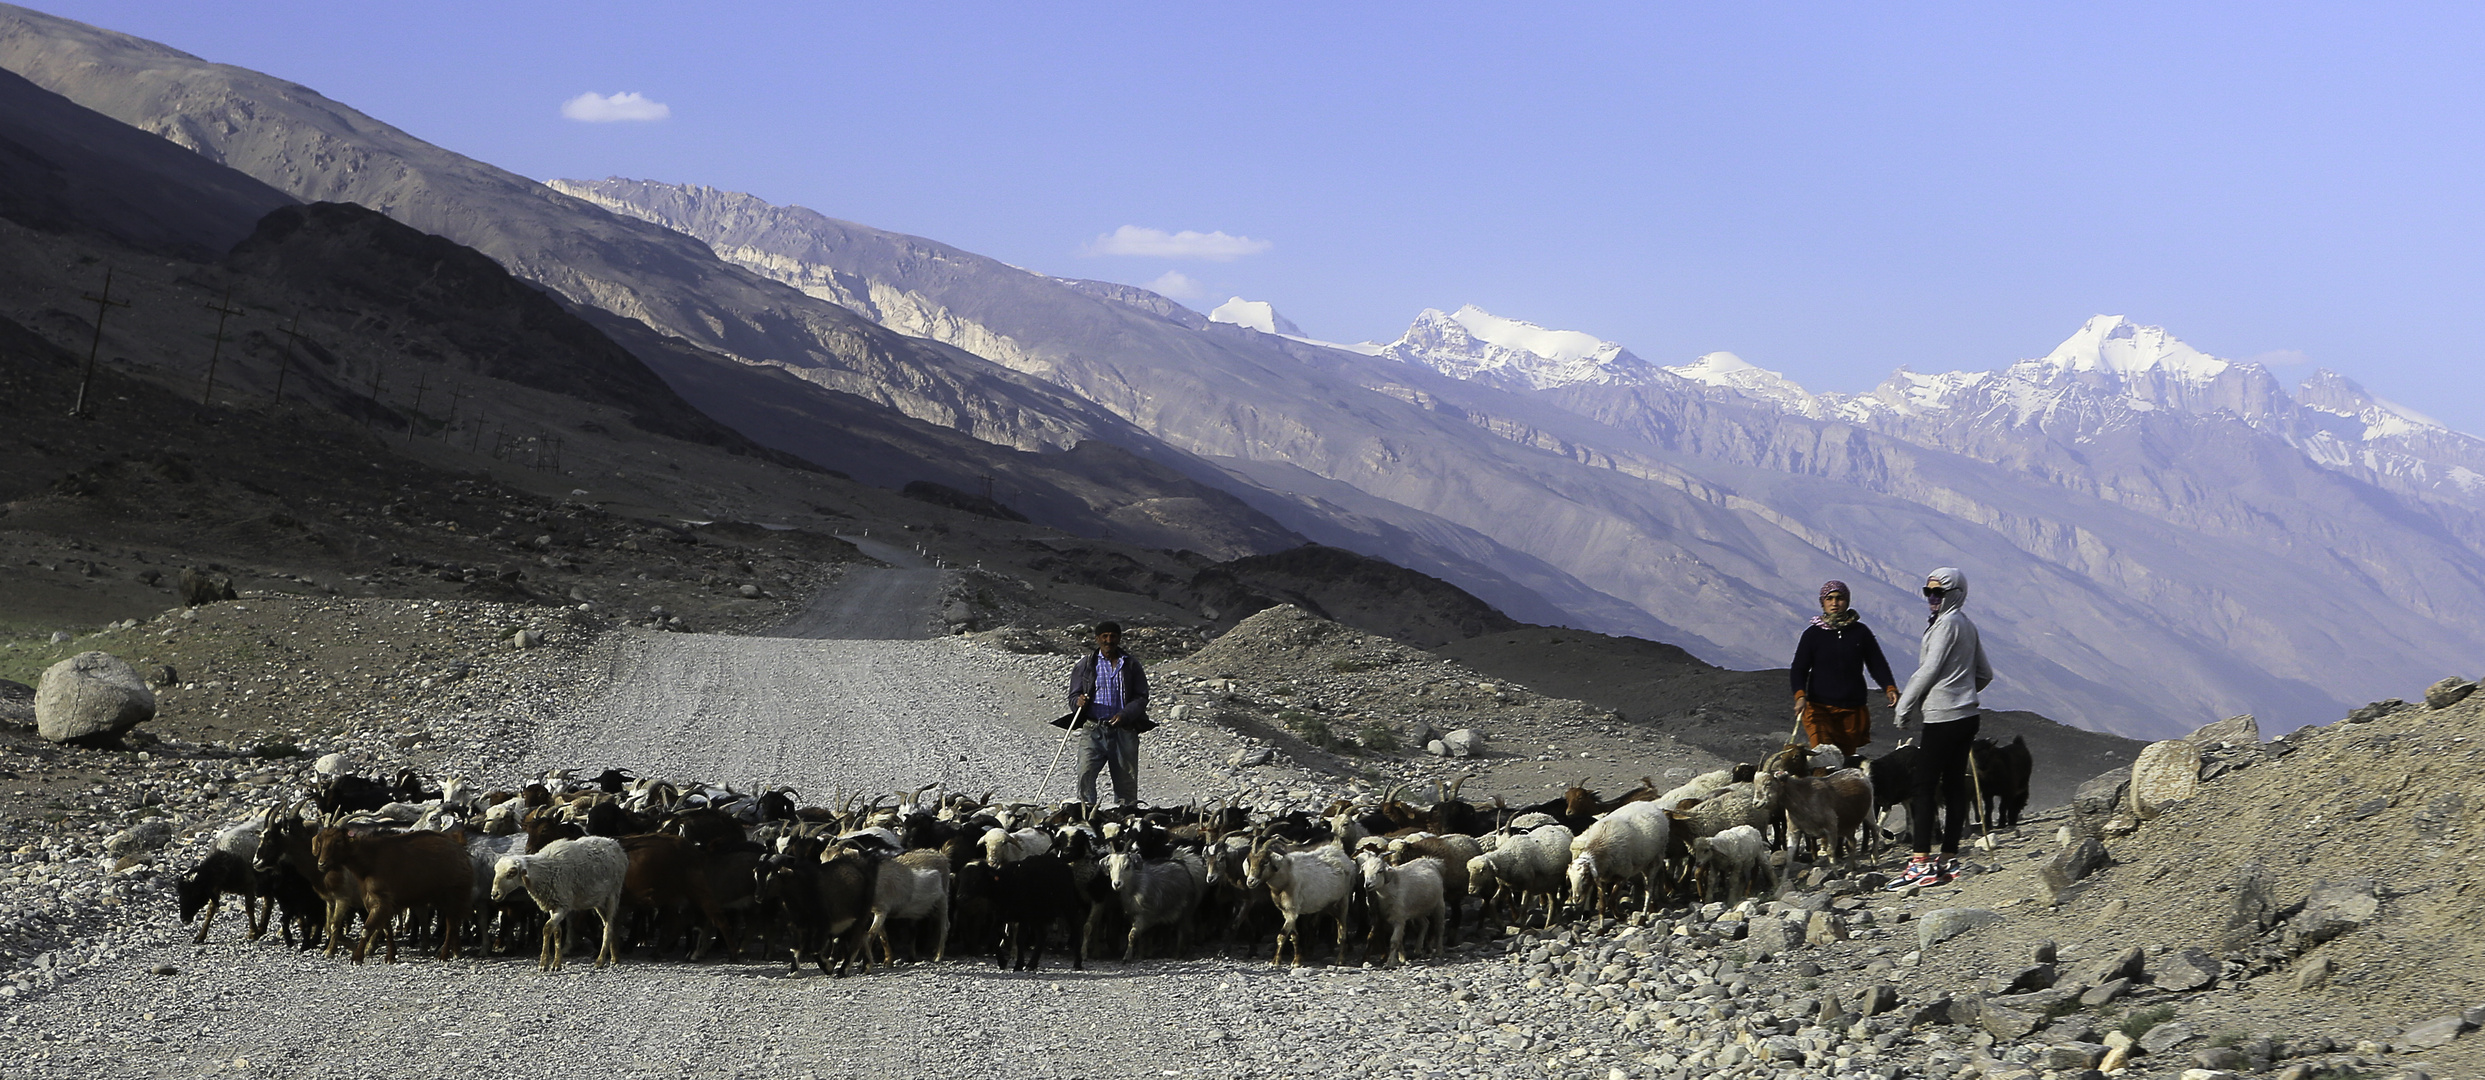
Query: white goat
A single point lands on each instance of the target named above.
(1317, 881)
(914, 885)
(1731, 860)
(1525, 865)
(1623, 850)
(504, 817)
(1153, 894)
(1003, 847)
(566, 877)
(1404, 893)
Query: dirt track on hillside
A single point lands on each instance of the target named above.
(824, 714)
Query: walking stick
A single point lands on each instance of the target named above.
(1976, 775)
(1064, 744)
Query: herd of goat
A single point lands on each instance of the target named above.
(677, 869)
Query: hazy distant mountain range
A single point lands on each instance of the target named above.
(2156, 537)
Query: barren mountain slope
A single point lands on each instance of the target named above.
(1715, 517)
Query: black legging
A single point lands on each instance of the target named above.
(1942, 766)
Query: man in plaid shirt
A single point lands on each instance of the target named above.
(1109, 690)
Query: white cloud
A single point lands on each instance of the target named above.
(1214, 246)
(1176, 284)
(599, 109)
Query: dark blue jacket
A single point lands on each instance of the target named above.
(1830, 664)
(1134, 687)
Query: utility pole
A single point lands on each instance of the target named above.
(285, 363)
(370, 417)
(475, 443)
(103, 303)
(224, 310)
(456, 391)
(421, 377)
(987, 487)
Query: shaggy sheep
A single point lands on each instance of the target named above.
(565, 878)
(1622, 851)
(1730, 861)
(1524, 865)
(1400, 894)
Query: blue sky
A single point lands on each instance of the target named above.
(1828, 190)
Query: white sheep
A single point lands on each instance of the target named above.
(1731, 859)
(1622, 850)
(566, 877)
(1732, 805)
(1404, 893)
(1697, 788)
(1525, 864)
(1003, 847)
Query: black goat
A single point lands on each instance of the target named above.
(2003, 771)
(347, 794)
(1040, 892)
(205, 886)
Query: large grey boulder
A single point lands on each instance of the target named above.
(2437, 1032)
(1464, 742)
(2127, 964)
(2331, 909)
(1769, 936)
(2188, 969)
(1942, 924)
(2448, 692)
(2165, 773)
(92, 698)
(2233, 731)
(2069, 866)
(198, 588)
(145, 838)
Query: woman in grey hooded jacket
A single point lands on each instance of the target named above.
(1942, 694)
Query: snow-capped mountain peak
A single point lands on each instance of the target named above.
(1472, 343)
(1730, 372)
(2339, 395)
(2114, 344)
(1257, 315)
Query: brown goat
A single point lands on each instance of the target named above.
(1833, 806)
(545, 825)
(402, 872)
(667, 874)
(289, 840)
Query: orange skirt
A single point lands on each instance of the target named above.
(1829, 725)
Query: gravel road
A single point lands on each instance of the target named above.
(892, 604)
(824, 713)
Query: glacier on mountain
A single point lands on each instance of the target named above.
(1475, 344)
(1257, 315)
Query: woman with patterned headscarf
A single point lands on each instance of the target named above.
(1830, 661)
